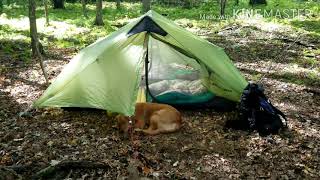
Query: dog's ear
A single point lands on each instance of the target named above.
(123, 123)
(123, 126)
(117, 117)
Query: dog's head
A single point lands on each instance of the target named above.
(123, 123)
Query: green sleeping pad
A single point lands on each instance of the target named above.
(177, 98)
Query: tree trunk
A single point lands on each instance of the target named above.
(34, 36)
(84, 8)
(99, 21)
(45, 4)
(118, 4)
(1, 6)
(146, 5)
(222, 8)
(58, 4)
(254, 2)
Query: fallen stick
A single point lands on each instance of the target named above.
(311, 90)
(7, 173)
(69, 165)
(297, 42)
(21, 168)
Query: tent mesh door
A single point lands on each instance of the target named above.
(172, 77)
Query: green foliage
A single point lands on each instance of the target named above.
(309, 79)
(6, 32)
(308, 25)
(256, 77)
(12, 45)
(309, 59)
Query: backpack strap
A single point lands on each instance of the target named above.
(252, 119)
(280, 113)
(272, 109)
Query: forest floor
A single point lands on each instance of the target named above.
(286, 59)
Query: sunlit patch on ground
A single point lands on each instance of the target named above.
(57, 29)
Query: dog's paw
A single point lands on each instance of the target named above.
(138, 130)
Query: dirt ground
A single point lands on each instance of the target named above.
(202, 149)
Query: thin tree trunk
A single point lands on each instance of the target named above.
(42, 65)
(99, 21)
(33, 26)
(146, 5)
(118, 4)
(45, 4)
(222, 7)
(84, 8)
(34, 36)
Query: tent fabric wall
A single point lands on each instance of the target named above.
(108, 82)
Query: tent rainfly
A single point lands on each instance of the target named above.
(108, 73)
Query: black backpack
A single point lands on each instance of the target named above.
(256, 112)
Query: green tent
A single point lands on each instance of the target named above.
(108, 73)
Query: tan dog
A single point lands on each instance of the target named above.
(157, 118)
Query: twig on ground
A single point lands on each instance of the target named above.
(7, 173)
(69, 165)
(312, 90)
